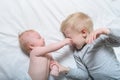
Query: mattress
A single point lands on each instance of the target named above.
(45, 16)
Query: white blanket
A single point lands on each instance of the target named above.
(45, 16)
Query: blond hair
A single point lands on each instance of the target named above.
(77, 21)
(24, 42)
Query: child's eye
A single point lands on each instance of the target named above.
(67, 37)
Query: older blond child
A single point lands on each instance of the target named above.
(94, 54)
(33, 45)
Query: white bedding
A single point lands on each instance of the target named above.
(45, 16)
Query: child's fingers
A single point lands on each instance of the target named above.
(90, 38)
(52, 63)
(57, 64)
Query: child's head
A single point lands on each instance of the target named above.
(30, 39)
(77, 26)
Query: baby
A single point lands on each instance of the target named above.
(33, 45)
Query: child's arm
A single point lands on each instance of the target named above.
(51, 47)
(112, 38)
(76, 73)
(95, 34)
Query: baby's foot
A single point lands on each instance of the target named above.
(54, 70)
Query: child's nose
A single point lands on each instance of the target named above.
(73, 44)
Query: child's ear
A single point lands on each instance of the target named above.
(84, 32)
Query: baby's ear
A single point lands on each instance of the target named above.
(31, 46)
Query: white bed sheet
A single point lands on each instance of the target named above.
(45, 16)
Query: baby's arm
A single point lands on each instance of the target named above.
(51, 47)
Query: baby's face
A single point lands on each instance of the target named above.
(77, 38)
(34, 39)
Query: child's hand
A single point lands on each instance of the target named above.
(54, 69)
(62, 69)
(95, 34)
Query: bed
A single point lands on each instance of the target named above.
(45, 16)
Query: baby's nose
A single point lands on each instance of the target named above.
(42, 38)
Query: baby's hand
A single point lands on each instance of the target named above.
(95, 34)
(68, 41)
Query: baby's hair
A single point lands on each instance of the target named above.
(23, 46)
(77, 21)
(31, 30)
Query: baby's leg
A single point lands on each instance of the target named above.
(54, 69)
(39, 69)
